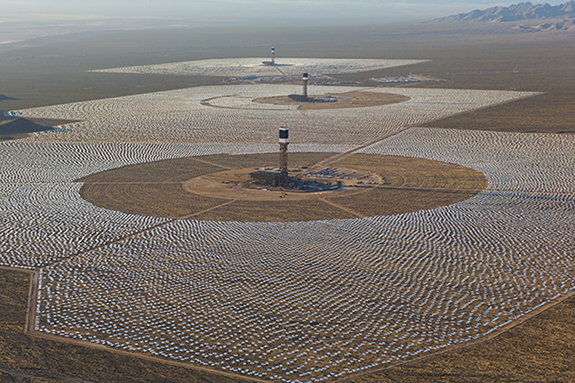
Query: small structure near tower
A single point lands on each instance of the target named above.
(283, 141)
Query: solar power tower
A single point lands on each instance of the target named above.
(283, 141)
(273, 55)
(305, 79)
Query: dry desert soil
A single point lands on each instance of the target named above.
(157, 189)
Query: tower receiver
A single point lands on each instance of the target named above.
(283, 141)
(305, 80)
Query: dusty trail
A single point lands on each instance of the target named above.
(140, 356)
(212, 163)
(340, 156)
(350, 211)
(148, 229)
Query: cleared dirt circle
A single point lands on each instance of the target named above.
(204, 188)
(337, 101)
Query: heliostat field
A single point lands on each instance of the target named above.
(241, 67)
(300, 301)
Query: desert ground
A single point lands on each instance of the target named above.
(462, 274)
(159, 189)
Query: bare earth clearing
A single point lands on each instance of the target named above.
(342, 100)
(184, 187)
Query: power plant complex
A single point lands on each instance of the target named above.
(280, 178)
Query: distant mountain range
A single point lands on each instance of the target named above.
(563, 25)
(519, 12)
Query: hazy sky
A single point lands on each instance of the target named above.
(248, 11)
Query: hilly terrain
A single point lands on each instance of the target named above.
(562, 25)
(515, 12)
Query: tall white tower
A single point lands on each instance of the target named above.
(305, 80)
(273, 55)
(283, 141)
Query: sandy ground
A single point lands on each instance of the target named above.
(223, 185)
(343, 100)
